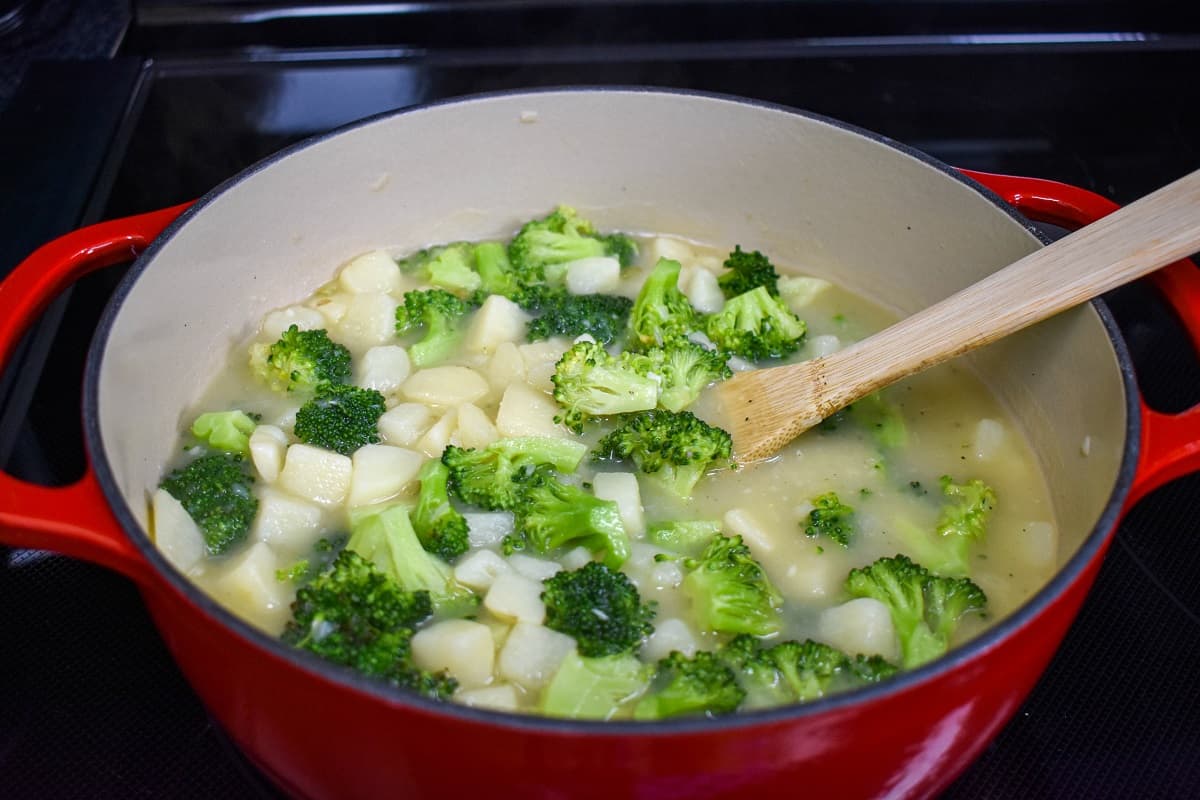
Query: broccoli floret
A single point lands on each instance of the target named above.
(686, 369)
(449, 266)
(495, 270)
(729, 590)
(620, 247)
(925, 608)
(215, 491)
(755, 325)
(756, 672)
(831, 517)
(661, 313)
(440, 314)
(387, 540)
(601, 316)
(553, 515)
(595, 688)
(355, 615)
(497, 476)
(807, 668)
(542, 248)
(225, 430)
(882, 419)
(871, 669)
(439, 526)
(676, 449)
(748, 271)
(300, 361)
(588, 382)
(697, 685)
(962, 521)
(683, 536)
(599, 607)
(340, 418)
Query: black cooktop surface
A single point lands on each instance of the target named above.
(91, 704)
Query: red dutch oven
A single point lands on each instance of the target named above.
(874, 215)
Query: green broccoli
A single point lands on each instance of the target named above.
(925, 607)
(595, 688)
(440, 314)
(600, 608)
(832, 518)
(661, 313)
(808, 668)
(496, 476)
(962, 521)
(225, 430)
(685, 369)
(796, 672)
(340, 418)
(882, 419)
(301, 361)
(620, 247)
(439, 526)
(676, 449)
(354, 615)
(755, 325)
(748, 271)
(387, 539)
(697, 685)
(601, 316)
(756, 672)
(588, 382)
(447, 266)
(683, 536)
(543, 247)
(554, 515)
(729, 590)
(215, 491)
(495, 270)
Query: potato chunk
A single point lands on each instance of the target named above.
(497, 321)
(383, 368)
(474, 427)
(175, 533)
(670, 634)
(460, 647)
(501, 697)
(405, 424)
(598, 275)
(622, 488)
(381, 472)
(480, 569)
(524, 411)
(371, 272)
(516, 598)
(863, 625)
(268, 444)
(370, 320)
(445, 386)
(532, 654)
(705, 293)
(316, 474)
(248, 583)
(285, 521)
(305, 319)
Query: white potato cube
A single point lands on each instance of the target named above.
(176, 533)
(576, 558)
(536, 569)
(667, 575)
(497, 321)
(285, 521)
(332, 309)
(799, 291)
(669, 635)
(381, 472)
(704, 292)
(383, 368)
(371, 272)
(524, 411)
(813, 576)
(740, 522)
(248, 583)
(370, 320)
(860, 626)
(268, 443)
(405, 423)
(505, 367)
(669, 247)
(316, 474)
(516, 598)
(460, 647)
(436, 438)
(1039, 543)
(623, 489)
(540, 361)
(989, 438)
(532, 654)
(474, 427)
(823, 345)
(501, 697)
(304, 318)
(486, 528)
(479, 569)
(598, 275)
(445, 386)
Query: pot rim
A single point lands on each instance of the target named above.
(346, 678)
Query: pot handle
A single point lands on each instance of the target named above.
(1170, 443)
(74, 520)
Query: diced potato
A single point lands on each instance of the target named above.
(501, 697)
(524, 411)
(286, 419)
(176, 533)
(799, 291)
(474, 427)
(267, 446)
(248, 583)
(576, 558)
(813, 576)
(599, 275)
(460, 647)
(499, 628)
(370, 320)
(497, 321)
(532, 654)
(823, 345)
(669, 635)
(381, 472)
(405, 423)
(989, 438)
(383, 368)
(515, 597)
(304, 318)
(285, 521)
(445, 386)
(540, 361)
(863, 625)
(317, 474)
(740, 522)
(536, 569)
(486, 528)
(436, 438)
(1039, 543)
(371, 272)
(704, 292)
(479, 569)
(666, 575)
(623, 489)
(668, 247)
(505, 367)
(332, 309)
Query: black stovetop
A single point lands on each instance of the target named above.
(91, 704)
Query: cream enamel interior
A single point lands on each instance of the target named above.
(849, 208)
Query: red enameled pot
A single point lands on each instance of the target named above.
(872, 214)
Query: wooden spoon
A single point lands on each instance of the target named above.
(767, 408)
